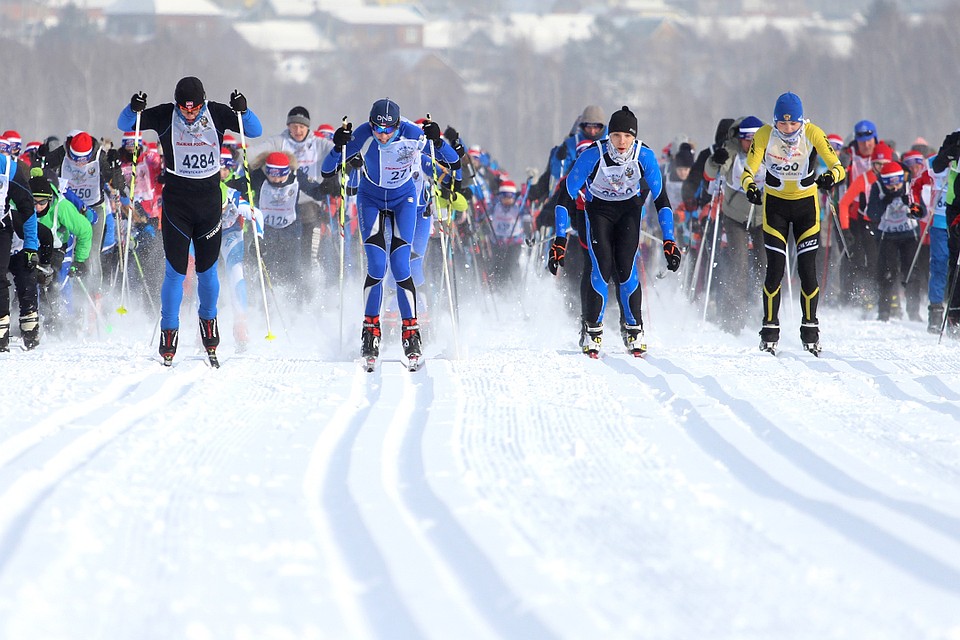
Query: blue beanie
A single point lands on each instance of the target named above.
(788, 108)
(864, 130)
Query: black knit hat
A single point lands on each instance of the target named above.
(40, 187)
(299, 115)
(189, 92)
(623, 121)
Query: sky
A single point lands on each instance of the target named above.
(512, 488)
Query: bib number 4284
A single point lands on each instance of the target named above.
(198, 160)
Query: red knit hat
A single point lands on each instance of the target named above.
(226, 158)
(891, 174)
(81, 146)
(278, 165)
(508, 186)
(882, 153)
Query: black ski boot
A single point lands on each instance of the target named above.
(168, 345)
(412, 347)
(591, 335)
(30, 330)
(370, 341)
(5, 333)
(810, 337)
(934, 318)
(769, 337)
(633, 338)
(210, 336)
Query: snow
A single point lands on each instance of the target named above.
(520, 491)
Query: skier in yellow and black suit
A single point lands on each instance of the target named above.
(788, 150)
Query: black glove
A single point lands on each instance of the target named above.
(561, 152)
(721, 155)
(915, 211)
(825, 180)
(355, 161)
(78, 269)
(753, 194)
(113, 158)
(558, 251)
(952, 140)
(32, 259)
(238, 101)
(432, 130)
(342, 136)
(45, 273)
(451, 135)
(672, 253)
(138, 102)
(330, 186)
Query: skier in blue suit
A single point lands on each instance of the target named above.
(617, 173)
(392, 149)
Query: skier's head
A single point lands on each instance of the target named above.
(189, 96)
(80, 149)
(836, 141)
(227, 161)
(914, 162)
(591, 122)
(882, 154)
(130, 140)
(229, 141)
(277, 167)
(507, 193)
(747, 128)
(622, 131)
(385, 116)
(865, 133)
(298, 123)
(10, 143)
(892, 177)
(788, 117)
(325, 131)
(42, 193)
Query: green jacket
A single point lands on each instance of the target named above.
(69, 221)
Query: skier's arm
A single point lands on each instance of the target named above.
(581, 170)
(651, 173)
(77, 224)
(827, 154)
(758, 149)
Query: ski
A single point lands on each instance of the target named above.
(167, 360)
(212, 359)
(414, 363)
(769, 347)
(812, 347)
(636, 353)
(595, 355)
(369, 363)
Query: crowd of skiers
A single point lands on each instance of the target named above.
(88, 223)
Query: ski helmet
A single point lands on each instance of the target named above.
(385, 113)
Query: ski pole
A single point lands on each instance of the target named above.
(916, 254)
(435, 188)
(122, 309)
(93, 306)
(253, 224)
(343, 220)
(713, 259)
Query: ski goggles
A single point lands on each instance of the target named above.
(892, 181)
(384, 129)
(596, 126)
(276, 171)
(41, 203)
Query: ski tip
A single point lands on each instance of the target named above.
(414, 364)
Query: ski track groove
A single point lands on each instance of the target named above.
(22, 497)
(473, 571)
(884, 545)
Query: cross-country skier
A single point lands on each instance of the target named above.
(18, 235)
(788, 150)
(190, 129)
(617, 173)
(386, 194)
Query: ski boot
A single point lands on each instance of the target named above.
(210, 336)
(769, 337)
(591, 335)
(168, 345)
(5, 333)
(633, 339)
(412, 347)
(370, 341)
(810, 337)
(30, 330)
(934, 318)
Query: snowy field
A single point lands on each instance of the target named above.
(521, 491)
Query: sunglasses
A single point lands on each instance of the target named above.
(866, 133)
(381, 129)
(592, 125)
(41, 202)
(190, 111)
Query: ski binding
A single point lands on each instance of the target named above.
(769, 347)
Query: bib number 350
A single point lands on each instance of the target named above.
(198, 160)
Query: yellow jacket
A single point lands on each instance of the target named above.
(791, 170)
